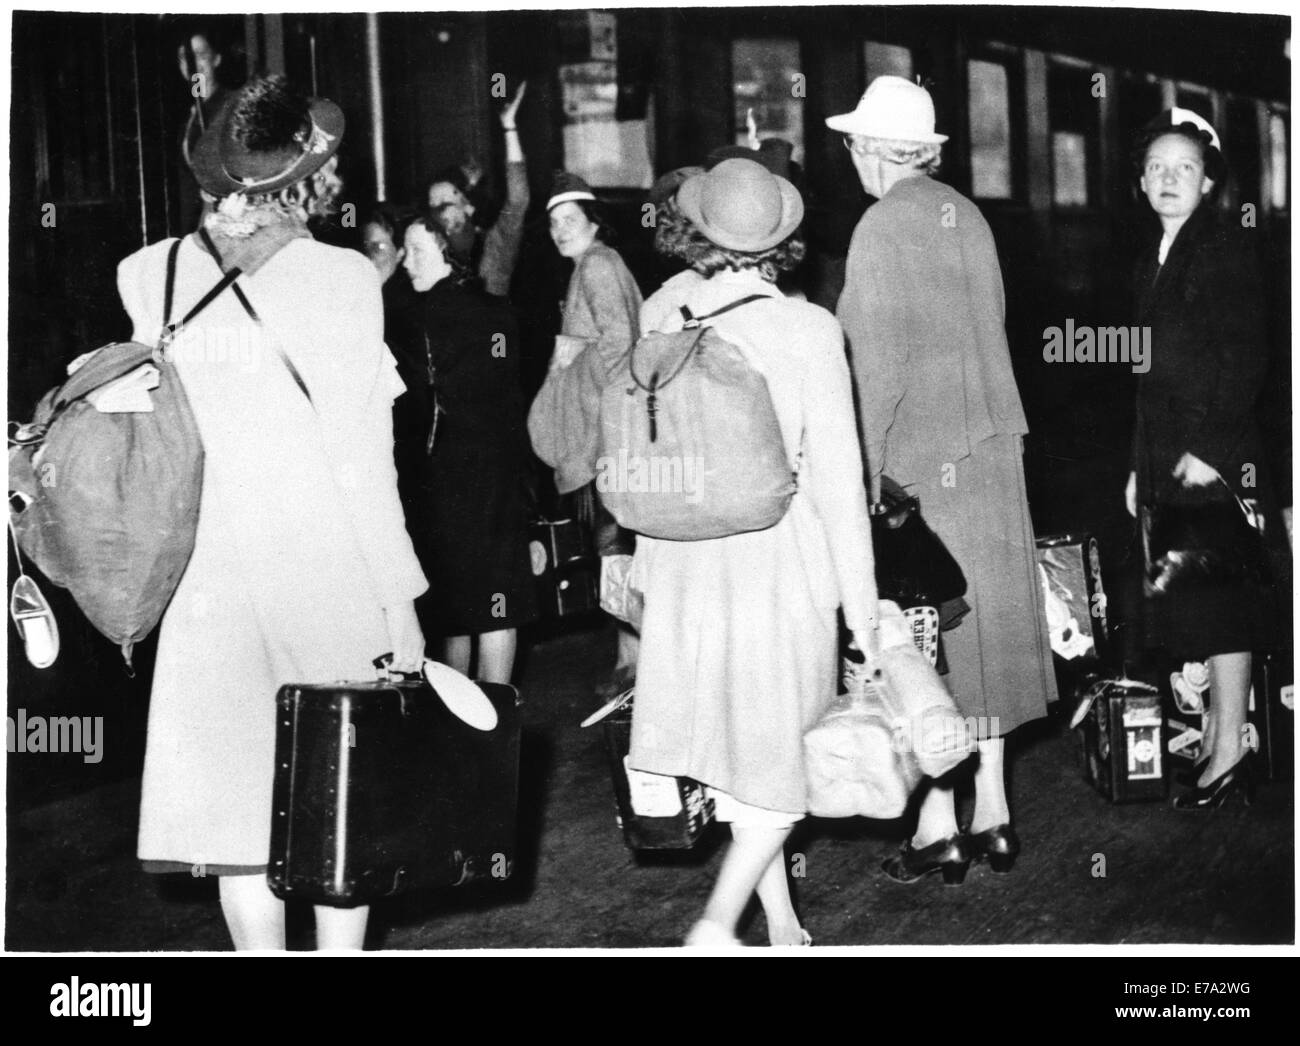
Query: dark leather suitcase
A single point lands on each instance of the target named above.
(565, 566)
(380, 788)
(655, 812)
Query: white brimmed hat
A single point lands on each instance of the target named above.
(891, 108)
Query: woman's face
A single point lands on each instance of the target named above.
(425, 261)
(571, 229)
(450, 205)
(1173, 176)
(378, 244)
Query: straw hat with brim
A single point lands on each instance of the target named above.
(891, 108)
(741, 205)
(222, 165)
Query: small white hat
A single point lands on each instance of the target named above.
(1177, 116)
(891, 108)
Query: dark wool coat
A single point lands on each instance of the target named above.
(1209, 355)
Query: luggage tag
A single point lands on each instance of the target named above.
(462, 696)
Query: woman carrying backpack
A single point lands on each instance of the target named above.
(302, 570)
(739, 641)
(599, 325)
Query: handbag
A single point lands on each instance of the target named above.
(895, 724)
(912, 563)
(1189, 547)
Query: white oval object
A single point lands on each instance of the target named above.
(461, 695)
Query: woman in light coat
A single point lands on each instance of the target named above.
(302, 570)
(739, 642)
(923, 310)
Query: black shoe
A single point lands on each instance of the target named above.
(1236, 779)
(950, 856)
(1000, 845)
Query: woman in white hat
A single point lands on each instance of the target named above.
(923, 309)
(739, 638)
(302, 569)
(599, 325)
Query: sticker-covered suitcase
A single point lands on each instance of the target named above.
(380, 788)
(565, 566)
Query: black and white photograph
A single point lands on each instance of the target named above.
(657, 480)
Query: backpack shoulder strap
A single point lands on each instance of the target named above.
(171, 281)
(252, 314)
(692, 320)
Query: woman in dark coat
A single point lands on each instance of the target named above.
(1196, 441)
(461, 457)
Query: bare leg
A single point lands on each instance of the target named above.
(254, 915)
(1229, 697)
(341, 927)
(496, 655)
(937, 818)
(774, 895)
(456, 650)
(991, 809)
(752, 851)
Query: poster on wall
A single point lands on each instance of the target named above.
(606, 151)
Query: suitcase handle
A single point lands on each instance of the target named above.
(383, 663)
(460, 694)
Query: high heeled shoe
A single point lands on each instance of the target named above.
(1236, 779)
(950, 856)
(999, 845)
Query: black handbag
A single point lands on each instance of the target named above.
(912, 564)
(1193, 546)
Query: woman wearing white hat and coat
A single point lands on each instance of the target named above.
(739, 640)
(923, 310)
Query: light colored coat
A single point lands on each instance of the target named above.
(739, 642)
(923, 309)
(924, 313)
(301, 541)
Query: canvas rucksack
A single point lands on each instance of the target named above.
(690, 447)
(106, 504)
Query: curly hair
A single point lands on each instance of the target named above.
(1215, 167)
(678, 237)
(924, 156)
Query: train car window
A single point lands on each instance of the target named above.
(886, 60)
(766, 77)
(1074, 116)
(1278, 181)
(1241, 149)
(1140, 100)
(1197, 99)
(989, 112)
